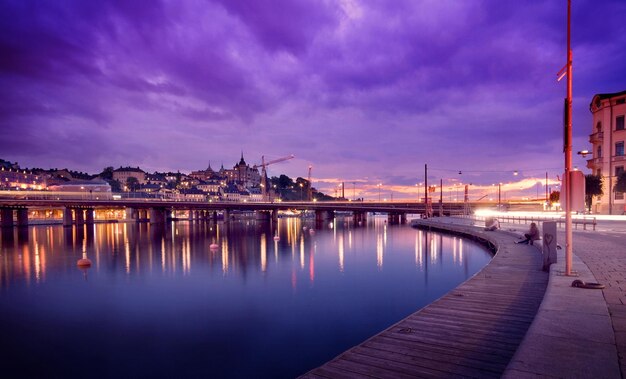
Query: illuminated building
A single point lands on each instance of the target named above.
(123, 173)
(607, 138)
(11, 178)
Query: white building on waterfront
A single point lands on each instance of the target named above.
(607, 139)
(123, 173)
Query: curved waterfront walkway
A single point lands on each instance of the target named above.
(473, 331)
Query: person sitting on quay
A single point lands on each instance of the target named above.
(492, 224)
(531, 236)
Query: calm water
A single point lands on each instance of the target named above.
(158, 302)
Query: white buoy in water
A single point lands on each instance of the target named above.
(84, 261)
(276, 238)
(213, 246)
(304, 228)
(312, 231)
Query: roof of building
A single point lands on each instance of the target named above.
(610, 95)
(133, 169)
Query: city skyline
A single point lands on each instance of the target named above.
(366, 93)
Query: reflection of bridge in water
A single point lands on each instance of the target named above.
(81, 211)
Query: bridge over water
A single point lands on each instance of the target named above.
(14, 211)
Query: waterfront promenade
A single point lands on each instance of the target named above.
(571, 332)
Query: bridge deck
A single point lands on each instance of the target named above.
(473, 331)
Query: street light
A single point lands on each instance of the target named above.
(301, 199)
(418, 185)
(379, 184)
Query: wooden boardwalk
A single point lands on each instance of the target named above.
(473, 331)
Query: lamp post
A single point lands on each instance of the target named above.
(379, 184)
(301, 198)
(567, 145)
(499, 195)
(418, 185)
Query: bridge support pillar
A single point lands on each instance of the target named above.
(393, 218)
(89, 216)
(226, 215)
(403, 218)
(275, 216)
(214, 216)
(321, 215)
(157, 215)
(67, 217)
(79, 216)
(7, 217)
(359, 218)
(262, 215)
(132, 214)
(22, 217)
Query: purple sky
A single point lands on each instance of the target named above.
(365, 91)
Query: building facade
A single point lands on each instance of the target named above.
(607, 138)
(123, 173)
(11, 178)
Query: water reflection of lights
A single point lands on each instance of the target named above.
(163, 254)
(37, 259)
(225, 256)
(126, 250)
(350, 239)
(419, 250)
(385, 234)
(312, 263)
(134, 247)
(454, 243)
(379, 251)
(340, 247)
(263, 249)
(301, 252)
(186, 256)
(433, 249)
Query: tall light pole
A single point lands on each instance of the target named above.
(499, 195)
(567, 144)
(426, 190)
(379, 184)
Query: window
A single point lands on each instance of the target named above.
(599, 127)
(618, 171)
(599, 155)
(599, 172)
(619, 149)
(620, 101)
(619, 123)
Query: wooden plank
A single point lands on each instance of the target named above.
(434, 353)
(426, 359)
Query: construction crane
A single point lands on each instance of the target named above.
(263, 165)
(310, 190)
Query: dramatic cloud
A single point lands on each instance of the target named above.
(366, 91)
